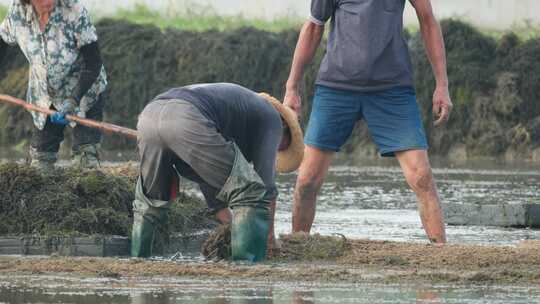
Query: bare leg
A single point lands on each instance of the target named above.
(224, 216)
(417, 171)
(310, 179)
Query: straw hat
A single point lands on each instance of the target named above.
(288, 159)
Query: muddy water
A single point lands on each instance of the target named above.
(50, 289)
(374, 201)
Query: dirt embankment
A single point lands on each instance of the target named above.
(359, 261)
(494, 84)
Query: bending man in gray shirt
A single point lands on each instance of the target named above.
(209, 133)
(367, 74)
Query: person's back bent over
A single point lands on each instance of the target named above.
(209, 134)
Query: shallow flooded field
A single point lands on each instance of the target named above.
(374, 202)
(360, 202)
(52, 289)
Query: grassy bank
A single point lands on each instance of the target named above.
(3, 12)
(197, 22)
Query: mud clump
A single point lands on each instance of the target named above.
(80, 202)
(294, 247)
(305, 247)
(218, 244)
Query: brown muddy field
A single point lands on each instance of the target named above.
(322, 259)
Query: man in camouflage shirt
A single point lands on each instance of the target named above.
(66, 73)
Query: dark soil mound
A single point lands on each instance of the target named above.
(80, 202)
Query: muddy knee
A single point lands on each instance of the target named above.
(421, 180)
(307, 187)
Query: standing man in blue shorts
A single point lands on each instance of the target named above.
(367, 74)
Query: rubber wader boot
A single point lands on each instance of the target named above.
(42, 160)
(249, 233)
(86, 156)
(244, 191)
(142, 236)
(148, 215)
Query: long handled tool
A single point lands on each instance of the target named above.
(103, 126)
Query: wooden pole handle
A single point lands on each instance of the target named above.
(103, 126)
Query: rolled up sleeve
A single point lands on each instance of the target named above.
(7, 28)
(85, 32)
(322, 11)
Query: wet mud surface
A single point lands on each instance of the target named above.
(374, 202)
(359, 261)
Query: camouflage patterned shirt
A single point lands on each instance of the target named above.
(54, 53)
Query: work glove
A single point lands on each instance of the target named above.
(68, 107)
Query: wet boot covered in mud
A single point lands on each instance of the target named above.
(44, 161)
(249, 233)
(86, 156)
(244, 191)
(148, 216)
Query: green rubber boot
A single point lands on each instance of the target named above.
(86, 156)
(249, 233)
(42, 160)
(142, 237)
(148, 215)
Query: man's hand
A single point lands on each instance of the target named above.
(59, 118)
(442, 105)
(68, 107)
(434, 42)
(294, 101)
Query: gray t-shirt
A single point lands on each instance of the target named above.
(366, 48)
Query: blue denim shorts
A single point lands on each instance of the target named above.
(392, 117)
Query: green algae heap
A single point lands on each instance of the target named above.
(70, 201)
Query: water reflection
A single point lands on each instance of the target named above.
(157, 298)
(303, 297)
(266, 296)
(41, 289)
(427, 297)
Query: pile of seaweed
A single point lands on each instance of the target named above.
(494, 83)
(82, 202)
